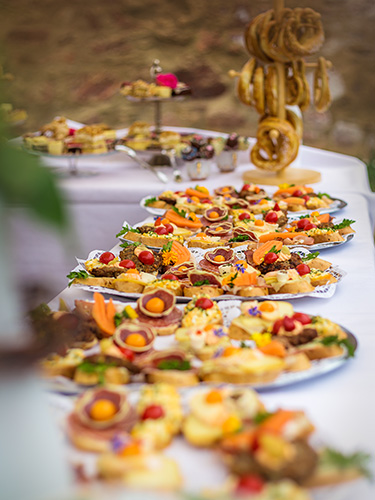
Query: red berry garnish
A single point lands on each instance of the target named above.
(276, 208)
(146, 258)
(153, 412)
(297, 193)
(204, 303)
(106, 257)
(271, 217)
(276, 326)
(302, 223)
(309, 226)
(303, 269)
(206, 200)
(302, 318)
(306, 197)
(161, 230)
(72, 131)
(158, 221)
(270, 258)
(169, 277)
(288, 324)
(169, 228)
(127, 264)
(251, 483)
(245, 187)
(244, 215)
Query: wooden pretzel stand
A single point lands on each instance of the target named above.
(289, 175)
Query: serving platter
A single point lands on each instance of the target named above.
(337, 205)
(323, 291)
(230, 309)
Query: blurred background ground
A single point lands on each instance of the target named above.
(70, 57)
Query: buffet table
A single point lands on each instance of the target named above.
(109, 191)
(340, 404)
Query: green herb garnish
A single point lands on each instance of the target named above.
(358, 460)
(273, 250)
(119, 317)
(150, 200)
(98, 368)
(261, 417)
(174, 364)
(335, 340)
(311, 256)
(125, 244)
(231, 280)
(127, 229)
(305, 216)
(181, 213)
(201, 282)
(167, 247)
(320, 195)
(241, 237)
(76, 275)
(344, 223)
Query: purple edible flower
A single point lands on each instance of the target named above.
(254, 311)
(218, 353)
(219, 332)
(240, 268)
(119, 442)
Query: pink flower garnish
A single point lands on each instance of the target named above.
(167, 80)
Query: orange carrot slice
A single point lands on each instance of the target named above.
(323, 218)
(260, 252)
(291, 190)
(242, 279)
(193, 192)
(275, 423)
(271, 236)
(274, 348)
(183, 253)
(99, 313)
(180, 221)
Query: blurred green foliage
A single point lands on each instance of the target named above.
(371, 169)
(25, 182)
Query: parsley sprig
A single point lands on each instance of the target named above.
(167, 247)
(241, 237)
(358, 460)
(150, 200)
(127, 229)
(76, 275)
(310, 256)
(202, 282)
(125, 244)
(335, 340)
(181, 213)
(320, 195)
(343, 223)
(98, 368)
(174, 364)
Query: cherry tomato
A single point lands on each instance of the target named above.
(270, 258)
(127, 353)
(271, 217)
(276, 208)
(309, 226)
(244, 215)
(302, 223)
(204, 303)
(306, 197)
(154, 412)
(288, 324)
(158, 221)
(106, 257)
(146, 258)
(276, 326)
(169, 277)
(297, 193)
(302, 318)
(303, 269)
(169, 228)
(245, 187)
(251, 483)
(161, 230)
(72, 131)
(206, 200)
(127, 263)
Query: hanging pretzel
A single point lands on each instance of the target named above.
(276, 146)
(322, 95)
(258, 90)
(271, 91)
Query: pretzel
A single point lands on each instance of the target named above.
(244, 81)
(258, 90)
(269, 37)
(270, 89)
(296, 121)
(303, 33)
(304, 101)
(294, 85)
(322, 95)
(276, 146)
(252, 37)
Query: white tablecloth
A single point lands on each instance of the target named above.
(99, 204)
(342, 404)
